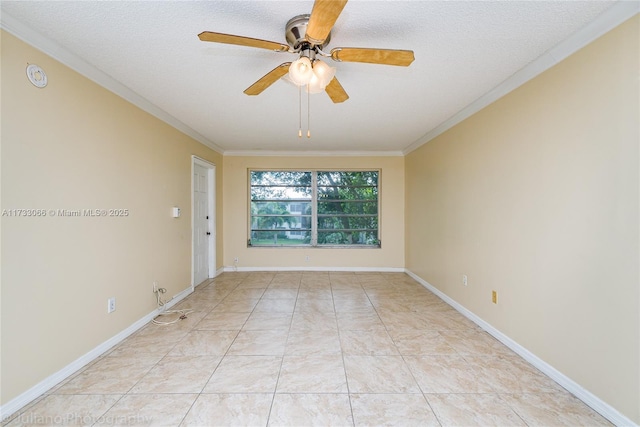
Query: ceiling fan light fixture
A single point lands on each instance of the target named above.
(301, 71)
(323, 72)
(315, 85)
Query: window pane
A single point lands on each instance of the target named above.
(286, 207)
(281, 222)
(348, 208)
(267, 185)
(368, 178)
(280, 208)
(280, 238)
(347, 238)
(280, 193)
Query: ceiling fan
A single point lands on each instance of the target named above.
(306, 35)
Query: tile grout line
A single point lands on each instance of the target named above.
(284, 350)
(405, 362)
(344, 364)
(219, 362)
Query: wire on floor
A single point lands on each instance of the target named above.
(182, 314)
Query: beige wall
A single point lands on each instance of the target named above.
(391, 217)
(536, 197)
(74, 145)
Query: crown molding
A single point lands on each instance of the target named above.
(275, 153)
(609, 19)
(62, 55)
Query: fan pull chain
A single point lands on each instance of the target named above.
(300, 111)
(308, 113)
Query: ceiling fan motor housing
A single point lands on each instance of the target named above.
(295, 31)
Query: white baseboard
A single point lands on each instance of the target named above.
(576, 389)
(587, 397)
(341, 269)
(17, 403)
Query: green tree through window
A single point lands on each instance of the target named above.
(318, 208)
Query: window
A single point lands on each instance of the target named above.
(296, 207)
(314, 208)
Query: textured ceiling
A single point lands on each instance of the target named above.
(463, 50)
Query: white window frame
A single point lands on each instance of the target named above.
(314, 210)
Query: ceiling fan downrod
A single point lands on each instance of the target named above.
(295, 34)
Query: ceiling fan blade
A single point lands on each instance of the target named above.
(373, 56)
(268, 79)
(323, 15)
(336, 92)
(208, 36)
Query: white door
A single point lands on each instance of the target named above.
(201, 233)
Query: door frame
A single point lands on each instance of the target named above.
(211, 208)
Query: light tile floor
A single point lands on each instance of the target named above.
(311, 348)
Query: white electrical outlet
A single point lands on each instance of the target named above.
(111, 305)
(306, 258)
(464, 279)
(235, 260)
(155, 287)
